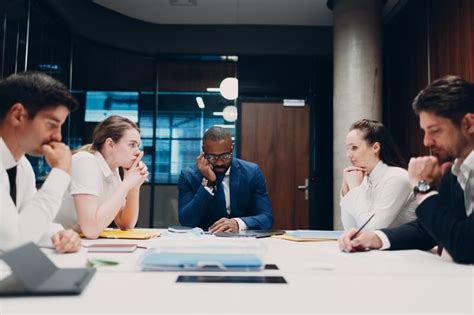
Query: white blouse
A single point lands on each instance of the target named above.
(90, 175)
(387, 192)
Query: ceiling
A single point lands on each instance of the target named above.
(225, 12)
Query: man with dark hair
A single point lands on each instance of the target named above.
(445, 215)
(33, 106)
(221, 193)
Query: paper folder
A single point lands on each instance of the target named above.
(135, 234)
(310, 235)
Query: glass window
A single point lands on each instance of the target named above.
(180, 125)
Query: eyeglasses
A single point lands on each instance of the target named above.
(215, 157)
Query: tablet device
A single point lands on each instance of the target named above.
(34, 274)
(231, 279)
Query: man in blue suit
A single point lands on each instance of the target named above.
(221, 193)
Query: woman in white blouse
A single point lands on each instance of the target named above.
(97, 195)
(376, 182)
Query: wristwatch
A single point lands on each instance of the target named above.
(208, 183)
(423, 187)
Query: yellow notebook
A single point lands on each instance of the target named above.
(310, 236)
(135, 234)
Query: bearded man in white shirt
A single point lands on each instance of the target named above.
(33, 106)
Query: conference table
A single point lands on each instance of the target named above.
(320, 279)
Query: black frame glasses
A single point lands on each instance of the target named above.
(215, 157)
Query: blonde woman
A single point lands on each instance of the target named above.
(97, 195)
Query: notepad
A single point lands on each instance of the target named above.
(111, 248)
(310, 235)
(135, 234)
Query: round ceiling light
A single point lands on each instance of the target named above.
(230, 88)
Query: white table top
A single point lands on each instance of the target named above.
(321, 279)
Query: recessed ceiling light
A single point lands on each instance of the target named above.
(183, 3)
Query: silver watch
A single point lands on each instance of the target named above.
(423, 187)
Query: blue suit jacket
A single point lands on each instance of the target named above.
(248, 198)
(442, 220)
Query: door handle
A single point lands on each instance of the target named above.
(305, 188)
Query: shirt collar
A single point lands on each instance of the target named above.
(6, 156)
(465, 167)
(103, 164)
(377, 173)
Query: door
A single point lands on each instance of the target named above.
(277, 139)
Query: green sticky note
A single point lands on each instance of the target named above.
(98, 262)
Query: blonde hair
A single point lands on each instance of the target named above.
(113, 127)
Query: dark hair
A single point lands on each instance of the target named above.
(112, 127)
(35, 91)
(449, 97)
(216, 134)
(373, 131)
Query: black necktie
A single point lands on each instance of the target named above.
(12, 179)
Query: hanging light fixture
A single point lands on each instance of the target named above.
(229, 88)
(230, 113)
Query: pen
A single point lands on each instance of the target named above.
(363, 225)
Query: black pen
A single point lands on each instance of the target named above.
(363, 225)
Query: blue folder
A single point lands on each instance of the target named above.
(180, 261)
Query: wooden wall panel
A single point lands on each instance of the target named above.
(427, 39)
(452, 38)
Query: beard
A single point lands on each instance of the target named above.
(442, 155)
(448, 154)
(220, 170)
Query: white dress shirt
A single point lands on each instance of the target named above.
(387, 192)
(90, 175)
(465, 175)
(32, 216)
(226, 185)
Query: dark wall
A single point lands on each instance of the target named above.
(89, 20)
(96, 49)
(427, 39)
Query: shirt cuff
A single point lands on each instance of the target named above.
(241, 224)
(384, 239)
(421, 197)
(57, 180)
(46, 238)
(209, 190)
